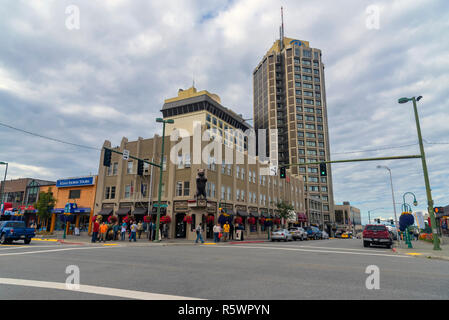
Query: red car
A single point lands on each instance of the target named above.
(377, 234)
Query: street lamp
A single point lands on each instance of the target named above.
(369, 216)
(392, 194)
(436, 240)
(3, 186)
(160, 176)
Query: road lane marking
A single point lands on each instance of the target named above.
(45, 251)
(350, 249)
(122, 293)
(23, 246)
(316, 251)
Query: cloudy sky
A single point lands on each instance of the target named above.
(108, 79)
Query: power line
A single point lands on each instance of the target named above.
(48, 138)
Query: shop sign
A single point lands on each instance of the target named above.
(75, 182)
(211, 207)
(180, 206)
(240, 208)
(253, 209)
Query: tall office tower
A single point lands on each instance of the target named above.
(290, 96)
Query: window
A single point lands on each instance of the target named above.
(254, 176)
(314, 188)
(297, 68)
(325, 198)
(300, 125)
(315, 64)
(325, 207)
(318, 102)
(324, 189)
(296, 60)
(310, 118)
(164, 163)
(312, 170)
(228, 171)
(308, 101)
(243, 195)
(237, 172)
(306, 62)
(106, 193)
(237, 194)
(109, 171)
(249, 175)
(322, 153)
(311, 152)
(308, 93)
(319, 127)
(316, 79)
(143, 189)
(115, 168)
(74, 194)
(186, 188)
(311, 143)
(299, 117)
(323, 180)
(298, 84)
(128, 191)
(223, 165)
(112, 193)
(317, 87)
(308, 70)
(307, 109)
(320, 136)
(179, 188)
(310, 126)
(243, 173)
(300, 134)
(300, 142)
(319, 119)
(310, 135)
(214, 121)
(308, 86)
(301, 151)
(313, 179)
(307, 53)
(223, 192)
(298, 101)
(129, 169)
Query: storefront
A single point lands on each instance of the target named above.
(252, 219)
(181, 209)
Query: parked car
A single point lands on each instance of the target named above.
(377, 234)
(281, 234)
(15, 230)
(314, 233)
(393, 232)
(325, 235)
(298, 233)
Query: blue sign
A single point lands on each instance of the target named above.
(297, 42)
(70, 207)
(76, 182)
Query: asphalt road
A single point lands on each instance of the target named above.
(322, 269)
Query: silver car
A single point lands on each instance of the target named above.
(298, 233)
(281, 234)
(325, 235)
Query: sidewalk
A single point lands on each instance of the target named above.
(423, 249)
(86, 240)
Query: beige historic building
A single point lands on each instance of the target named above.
(236, 186)
(348, 217)
(290, 96)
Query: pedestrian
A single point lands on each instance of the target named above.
(216, 230)
(123, 231)
(226, 230)
(95, 230)
(165, 231)
(199, 231)
(116, 229)
(77, 231)
(103, 231)
(140, 228)
(154, 232)
(150, 230)
(133, 229)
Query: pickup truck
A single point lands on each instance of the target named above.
(377, 234)
(15, 230)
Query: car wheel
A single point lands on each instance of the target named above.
(27, 241)
(365, 244)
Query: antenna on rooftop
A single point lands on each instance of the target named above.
(281, 30)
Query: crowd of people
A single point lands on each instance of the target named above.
(131, 230)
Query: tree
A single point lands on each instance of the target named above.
(284, 209)
(45, 205)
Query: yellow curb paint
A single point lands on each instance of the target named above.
(51, 240)
(209, 243)
(110, 244)
(414, 254)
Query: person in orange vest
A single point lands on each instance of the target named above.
(226, 229)
(103, 231)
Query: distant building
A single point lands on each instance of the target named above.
(347, 217)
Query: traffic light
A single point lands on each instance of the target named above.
(140, 167)
(282, 173)
(107, 157)
(439, 210)
(323, 169)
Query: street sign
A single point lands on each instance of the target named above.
(125, 154)
(273, 170)
(164, 205)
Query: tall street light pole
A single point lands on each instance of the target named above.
(3, 185)
(436, 240)
(160, 177)
(392, 195)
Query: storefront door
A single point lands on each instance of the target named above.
(180, 231)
